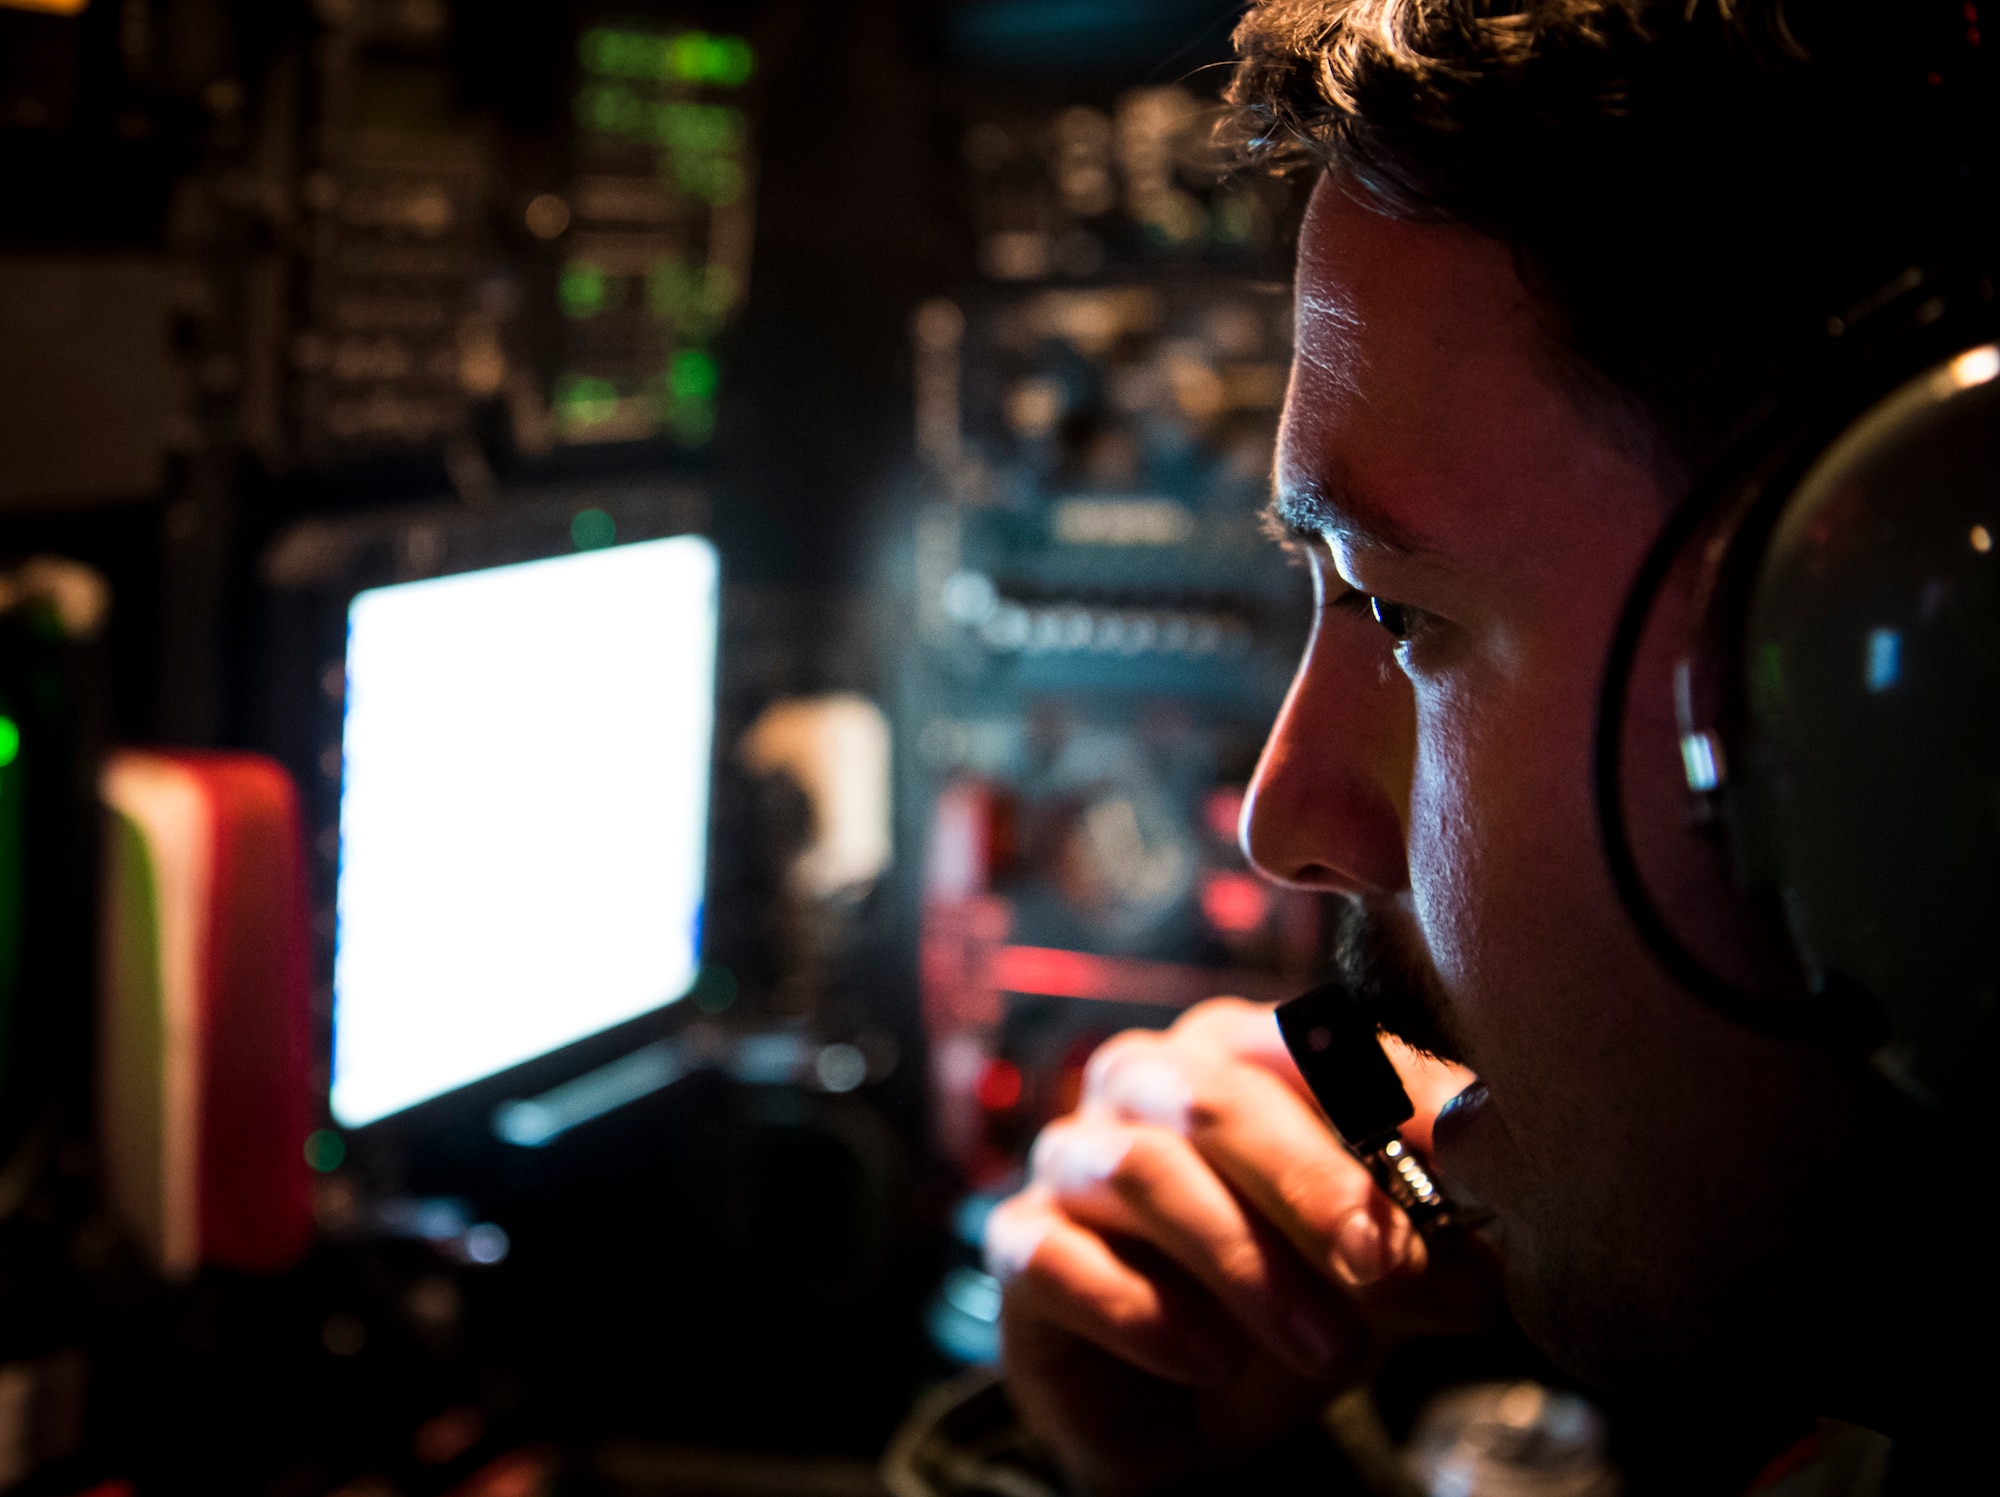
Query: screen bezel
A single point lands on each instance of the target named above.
(311, 573)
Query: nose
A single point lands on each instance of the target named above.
(1328, 804)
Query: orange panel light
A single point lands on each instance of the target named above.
(47, 7)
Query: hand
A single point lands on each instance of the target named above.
(1196, 1264)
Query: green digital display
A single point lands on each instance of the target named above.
(656, 103)
(13, 887)
(688, 57)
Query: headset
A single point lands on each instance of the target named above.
(1823, 610)
(1837, 695)
(1836, 679)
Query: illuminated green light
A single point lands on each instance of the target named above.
(582, 400)
(688, 57)
(732, 61)
(697, 57)
(646, 56)
(582, 291)
(592, 530)
(10, 741)
(325, 1150)
(692, 418)
(692, 375)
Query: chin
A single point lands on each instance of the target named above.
(1591, 1344)
(1643, 1335)
(1541, 1296)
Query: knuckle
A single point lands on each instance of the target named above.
(1243, 1266)
(1045, 1151)
(1079, 1156)
(1320, 1192)
(1114, 1052)
(1150, 1082)
(1218, 1090)
(1135, 1314)
(1013, 1239)
(1148, 1162)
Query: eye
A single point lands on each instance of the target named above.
(1401, 620)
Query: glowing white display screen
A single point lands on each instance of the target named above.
(523, 813)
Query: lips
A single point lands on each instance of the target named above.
(1455, 1150)
(1451, 1135)
(1458, 1116)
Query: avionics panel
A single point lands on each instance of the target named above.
(523, 813)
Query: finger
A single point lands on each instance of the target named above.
(1152, 1085)
(1235, 1026)
(1249, 1031)
(1271, 1144)
(1143, 1312)
(1318, 1194)
(1144, 1182)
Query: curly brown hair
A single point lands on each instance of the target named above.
(1692, 186)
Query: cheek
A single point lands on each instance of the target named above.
(1504, 871)
(1504, 859)
(1449, 831)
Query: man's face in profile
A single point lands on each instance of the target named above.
(1472, 524)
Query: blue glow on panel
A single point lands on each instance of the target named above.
(1059, 33)
(1005, 21)
(1885, 658)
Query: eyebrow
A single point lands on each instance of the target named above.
(1313, 511)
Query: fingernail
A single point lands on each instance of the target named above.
(1076, 1158)
(1150, 1090)
(1011, 1240)
(1361, 1248)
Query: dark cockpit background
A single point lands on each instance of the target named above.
(950, 327)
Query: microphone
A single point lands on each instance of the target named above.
(1339, 1052)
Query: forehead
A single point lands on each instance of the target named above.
(1372, 287)
(1424, 382)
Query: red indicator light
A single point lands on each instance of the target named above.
(1235, 903)
(1000, 1086)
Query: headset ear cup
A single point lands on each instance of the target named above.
(1868, 789)
(1823, 617)
(1665, 756)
